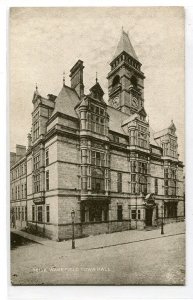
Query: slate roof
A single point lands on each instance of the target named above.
(125, 45)
(66, 102)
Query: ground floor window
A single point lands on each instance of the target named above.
(33, 212)
(47, 213)
(133, 214)
(171, 209)
(94, 213)
(40, 213)
(119, 212)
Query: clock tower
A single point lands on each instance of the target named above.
(126, 80)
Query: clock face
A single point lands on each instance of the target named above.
(115, 102)
(134, 102)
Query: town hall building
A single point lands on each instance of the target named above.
(101, 160)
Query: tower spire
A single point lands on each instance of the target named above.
(96, 77)
(125, 45)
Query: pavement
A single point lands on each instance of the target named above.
(129, 257)
(108, 240)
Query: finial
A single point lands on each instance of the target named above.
(96, 77)
(64, 78)
(36, 86)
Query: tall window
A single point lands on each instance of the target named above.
(142, 136)
(40, 213)
(47, 180)
(96, 120)
(36, 126)
(47, 213)
(143, 184)
(119, 212)
(47, 157)
(22, 191)
(97, 180)
(36, 162)
(156, 186)
(33, 212)
(133, 214)
(119, 182)
(166, 185)
(36, 183)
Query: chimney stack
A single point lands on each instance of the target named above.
(76, 74)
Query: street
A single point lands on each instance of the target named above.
(129, 258)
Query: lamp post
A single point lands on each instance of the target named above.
(162, 223)
(73, 216)
(136, 209)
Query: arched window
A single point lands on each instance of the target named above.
(134, 81)
(116, 81)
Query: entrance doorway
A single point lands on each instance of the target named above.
(149, 213)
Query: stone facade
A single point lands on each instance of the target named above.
(101, 160)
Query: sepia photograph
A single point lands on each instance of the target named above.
(97, 158)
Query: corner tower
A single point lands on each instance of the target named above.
(126, 80)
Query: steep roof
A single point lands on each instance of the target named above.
(116, 119)
(66, 101)
(125, 45)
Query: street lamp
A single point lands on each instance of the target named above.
(136, 209)
(73, 216)
(162, 223)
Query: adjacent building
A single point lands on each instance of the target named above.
(101, 160)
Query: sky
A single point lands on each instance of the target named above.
(45, 42)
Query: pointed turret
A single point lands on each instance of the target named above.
(124, 45)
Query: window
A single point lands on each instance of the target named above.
(47, 180)
(97, 159)
(97, 180)
(119, 212)
(22, 191)
(25, 190)
(116, 81)
(47, 213)
(36, 126)
(33, 212)
(47, 157)
(119, 182)
(156, 186)
(18, 213)
(133, 166)
(139, 214)
(143, 184)
(40, 213)
(96, 121)
(142, 136)
(171, 209)
(133, 214)
(36, 183)
(23, 212)
(36, 162)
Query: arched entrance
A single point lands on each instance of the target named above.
(149, 214)
(150, 205)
